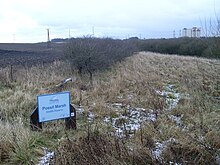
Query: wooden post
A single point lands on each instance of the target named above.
(34, 121)
(11, 73)
(70, 122)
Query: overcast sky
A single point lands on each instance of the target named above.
(27, 20)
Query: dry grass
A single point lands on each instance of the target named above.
(133, 83)
(18, 145)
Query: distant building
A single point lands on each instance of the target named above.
(194, 32)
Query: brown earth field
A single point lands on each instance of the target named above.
(29, 54)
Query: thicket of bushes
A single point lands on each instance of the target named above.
(200, 47)
(88, 54)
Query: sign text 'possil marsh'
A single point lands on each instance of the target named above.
(53, 106)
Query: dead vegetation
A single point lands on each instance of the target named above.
(187, 133)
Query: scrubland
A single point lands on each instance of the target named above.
(147, 109)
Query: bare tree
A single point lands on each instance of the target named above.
(211, 30)
(88, 54)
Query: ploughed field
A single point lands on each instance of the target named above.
(29, 54)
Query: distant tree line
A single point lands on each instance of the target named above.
(208, 47)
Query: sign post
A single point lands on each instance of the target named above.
(53, 107)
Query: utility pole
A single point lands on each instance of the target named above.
(13, 38)
(69, 34)
(48, 35)
(174, 34)
(93, 31)
(48, 38)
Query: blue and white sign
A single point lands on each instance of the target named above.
(53, 106)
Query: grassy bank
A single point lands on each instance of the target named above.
(149, 109)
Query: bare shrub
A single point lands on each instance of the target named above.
(92, 54)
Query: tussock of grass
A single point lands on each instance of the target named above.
(132, 83)
(18, 145)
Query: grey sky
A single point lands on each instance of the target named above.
(27, 20)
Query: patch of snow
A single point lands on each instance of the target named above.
(106, 119)
(117, 105)
(176, 119)
(79, 111)
(172, 102)
(161, 93)
(218, 159)
(171, 96)
(91, 116)
(158, 149)
(151, 116)
(130, 120)
(45, 160)
(172, 163)
(130, 97)
(120, 97)
(160, 146)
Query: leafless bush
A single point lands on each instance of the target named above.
(92, 54)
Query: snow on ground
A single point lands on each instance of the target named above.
(171, 96)
(129, 119)
(91, 116)
(176, 119)
(79, 110)
(45, 160)
(218, 159)
(160, 146)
